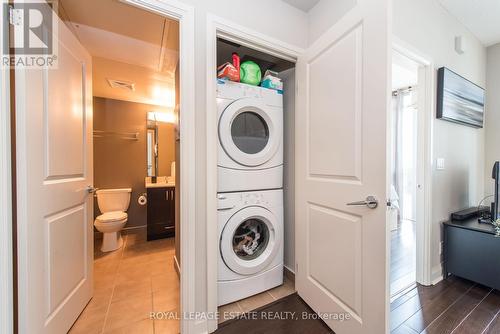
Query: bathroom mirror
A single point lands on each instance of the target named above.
(152, 148)
(160, 144)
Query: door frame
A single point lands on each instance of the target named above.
(6, 236)
(219, 27)
(426, 108)
(185, 15)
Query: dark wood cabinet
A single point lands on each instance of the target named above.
(161, 213)
(471, 251)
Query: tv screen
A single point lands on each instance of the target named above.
(459, 100)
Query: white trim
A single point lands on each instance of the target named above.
(437, 274)
(185, 15)
(6, 283)
(289, 269)
(219, 27)
(425, 153)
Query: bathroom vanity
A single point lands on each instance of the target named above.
(161, 210)
(160, 189)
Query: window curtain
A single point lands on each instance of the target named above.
(404, 142)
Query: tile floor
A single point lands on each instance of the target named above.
(140, 278)
(129, 284)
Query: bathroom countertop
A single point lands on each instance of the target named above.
(160, 185)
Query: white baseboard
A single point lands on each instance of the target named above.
(289, 273)
(437, 274)
(289, 269)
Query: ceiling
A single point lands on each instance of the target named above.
(146, 57)
(303, 5)
(482, 17)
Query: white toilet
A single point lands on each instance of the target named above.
(112, 203)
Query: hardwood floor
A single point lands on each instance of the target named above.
(403, 256)
(452, 306)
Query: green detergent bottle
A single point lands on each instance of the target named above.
(250, 73)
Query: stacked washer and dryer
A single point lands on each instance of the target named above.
(250, 190)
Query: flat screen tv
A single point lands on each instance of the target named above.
(459, 100)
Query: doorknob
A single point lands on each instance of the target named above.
(370, 202)
(91, 189)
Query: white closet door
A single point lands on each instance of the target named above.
(341, 149)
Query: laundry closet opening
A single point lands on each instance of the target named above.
(255, 185)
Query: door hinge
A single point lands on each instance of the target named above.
(296, 268)
(15, 16)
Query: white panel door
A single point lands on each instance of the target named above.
(54, 168)
(341, 149)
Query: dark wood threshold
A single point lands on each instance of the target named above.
(259, 321)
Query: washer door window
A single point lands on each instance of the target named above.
(250, 240)
(247, 132)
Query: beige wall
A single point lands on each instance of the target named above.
(120, 163)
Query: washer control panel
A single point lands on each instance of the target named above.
(266, 198)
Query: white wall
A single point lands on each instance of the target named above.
(492, 124)
(431, 30)
(325, 14)
(273, 18)
(288, 77)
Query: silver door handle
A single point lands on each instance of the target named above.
(370, 202)
(91, 189)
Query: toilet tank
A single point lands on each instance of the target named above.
(113, 199)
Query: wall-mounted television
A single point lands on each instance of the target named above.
(459, 100)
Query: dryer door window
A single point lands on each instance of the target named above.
(248, 133)
(250, 240)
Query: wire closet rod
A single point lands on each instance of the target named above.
(122, 135)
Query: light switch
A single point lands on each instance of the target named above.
(440, 164)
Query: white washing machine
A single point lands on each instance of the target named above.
(250, 243)
(250, 126)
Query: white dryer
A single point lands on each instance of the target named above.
(250, 130)
(250, 243)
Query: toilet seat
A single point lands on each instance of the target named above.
(113, 216)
